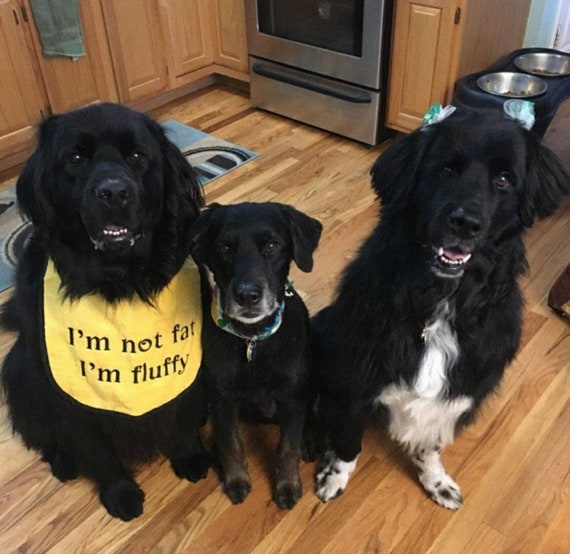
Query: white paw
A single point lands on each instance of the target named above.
(333, 476)
(443, 490)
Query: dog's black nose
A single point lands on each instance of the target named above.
(113, 192)
(464, 224)
(248, 294)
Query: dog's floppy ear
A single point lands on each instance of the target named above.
(35, 183)
(394, 172)
(305, 232)
(547, 182)
(198, 233)
(179, 175)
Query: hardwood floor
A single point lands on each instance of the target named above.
(513, 463)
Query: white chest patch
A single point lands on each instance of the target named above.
(420, 416)
(440, 354)
(422, 422)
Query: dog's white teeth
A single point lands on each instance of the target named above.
(456, 261)
(115, 233)
(452, 259)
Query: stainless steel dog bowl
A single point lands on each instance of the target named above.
(512, 85)
(545, 64)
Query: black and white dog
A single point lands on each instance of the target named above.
(256, 333)
(428, 315)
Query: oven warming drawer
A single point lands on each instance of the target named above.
(335, 106)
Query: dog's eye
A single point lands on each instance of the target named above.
(224, 248)
(502, 181)
(270, 247)
(135, 157)
(447, 171)
(75, 158)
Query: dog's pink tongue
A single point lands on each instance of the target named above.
(453, 254)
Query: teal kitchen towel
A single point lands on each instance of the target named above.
(59, 26)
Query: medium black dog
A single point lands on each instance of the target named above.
(111, 201)
(256, 348)
(429, 313)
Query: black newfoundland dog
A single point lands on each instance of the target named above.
(104, 375)
(428, 315)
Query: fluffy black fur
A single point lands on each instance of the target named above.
(247, 250)
(111, 201)
(468, 185)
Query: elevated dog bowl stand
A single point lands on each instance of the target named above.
(468, 94)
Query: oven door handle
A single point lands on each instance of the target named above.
(286, 76)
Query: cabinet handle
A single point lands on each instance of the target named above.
(457, 16)
(24, 15)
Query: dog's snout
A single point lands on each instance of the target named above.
(114, 192)
(465, 224)
(248, 294)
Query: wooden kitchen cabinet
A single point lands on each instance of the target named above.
(230, 49)
(137, 49)
(22, 99)
(160, 45)
(88, 79)
(435, 42)
(188, 42)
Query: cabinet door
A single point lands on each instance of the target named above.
(186, 25)
(137, 49)
(425, 45)
(71, 84)
(231, 45)
(21, 99)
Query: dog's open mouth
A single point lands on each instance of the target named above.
(450, 261)
(114, 237)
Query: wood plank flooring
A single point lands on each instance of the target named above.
(513, 463)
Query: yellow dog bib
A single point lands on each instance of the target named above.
(128, 357)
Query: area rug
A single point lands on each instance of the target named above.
(210, 156)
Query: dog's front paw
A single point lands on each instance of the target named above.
(123, 499)
(333, 476)
(287, 495)
(237, 489)
(193, 468)
(444, 491)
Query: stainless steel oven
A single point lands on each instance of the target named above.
(321, 62)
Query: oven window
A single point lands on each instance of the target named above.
(333, 25)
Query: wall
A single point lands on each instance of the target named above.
(563, 42)
(542, 22)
